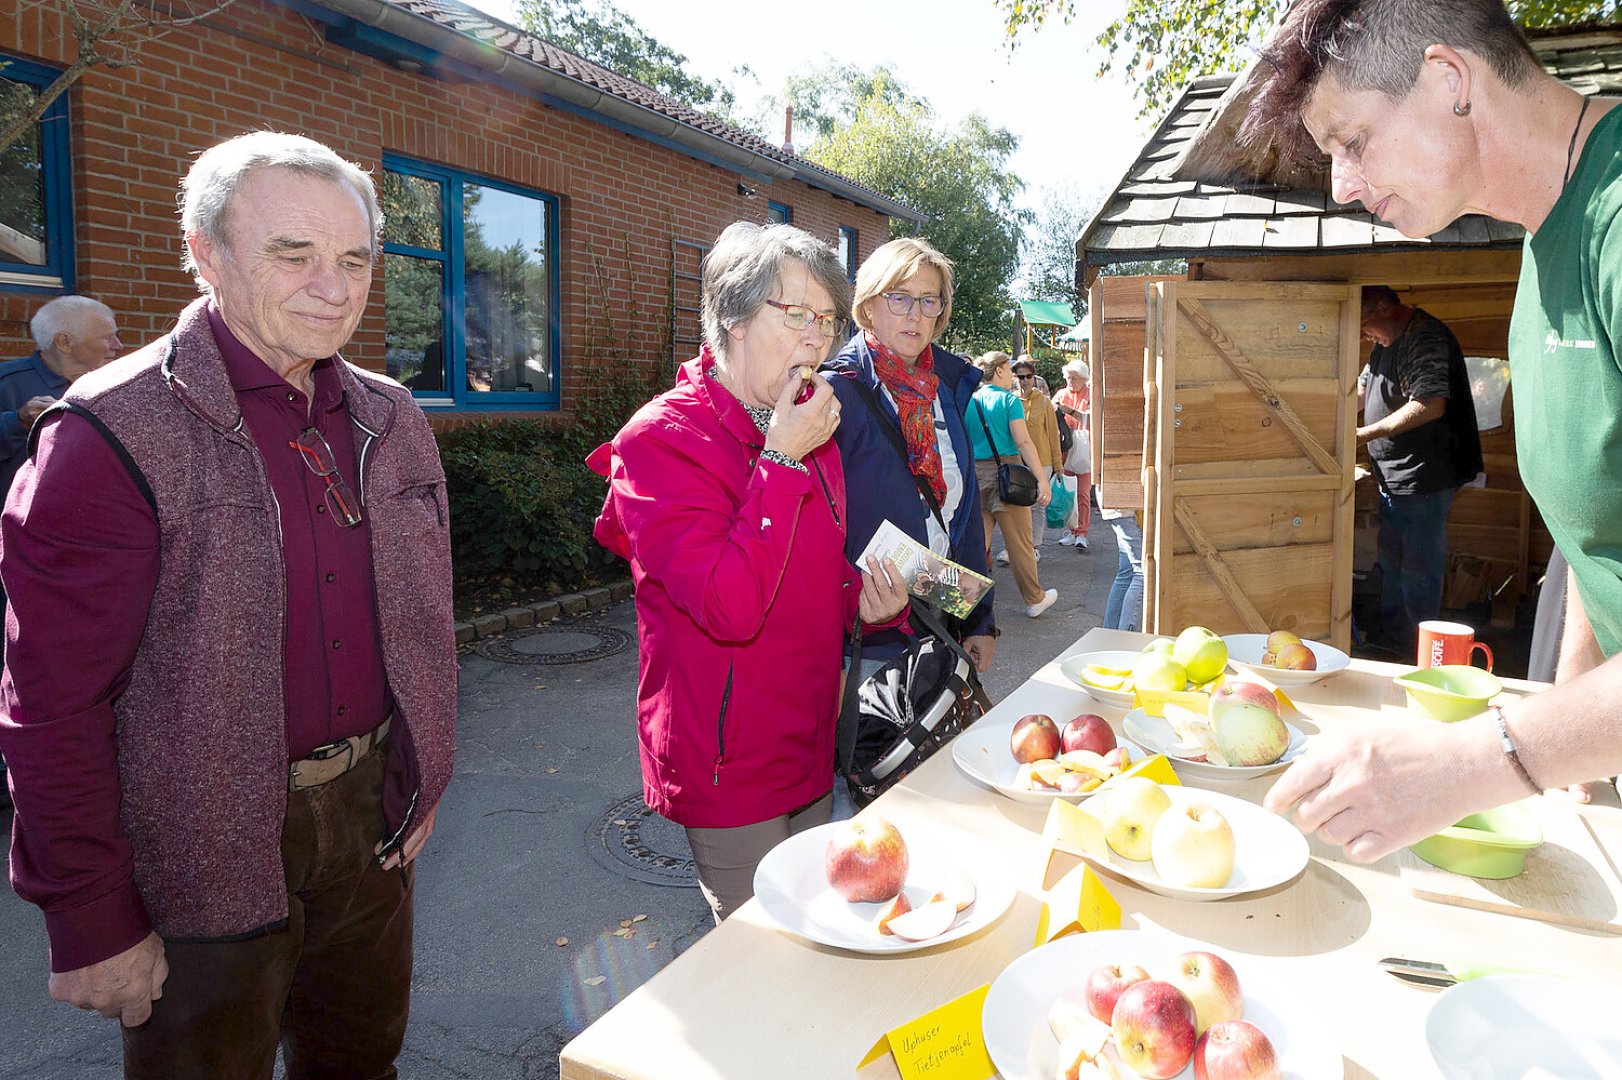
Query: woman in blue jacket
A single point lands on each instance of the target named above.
(918, 391)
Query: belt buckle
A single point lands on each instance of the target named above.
(332, 750)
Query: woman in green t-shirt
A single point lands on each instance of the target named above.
(1004, 419)
(1429, 110)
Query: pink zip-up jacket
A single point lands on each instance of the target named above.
(743, 597)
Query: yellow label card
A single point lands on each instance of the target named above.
(1077, 904)
(1156, 768)
(1070, 828)
(943, 1044)
(1154, 702)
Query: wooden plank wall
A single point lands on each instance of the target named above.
(1118, 312)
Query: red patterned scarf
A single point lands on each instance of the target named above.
(914, 391)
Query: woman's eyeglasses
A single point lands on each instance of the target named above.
(798, 318)
(901, 304)
(318, 456)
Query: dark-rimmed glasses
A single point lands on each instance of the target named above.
(798, 318)
(318, 456)
(901, 304)
(1024, 374)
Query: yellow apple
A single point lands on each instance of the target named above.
(1201, 652)
(1133, 808)
(1192, 847)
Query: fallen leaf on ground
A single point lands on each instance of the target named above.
(639, 918)
(560, 942)
(597, 980)
(551, 770)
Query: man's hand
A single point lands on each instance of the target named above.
(29, 410)
(122, 986)
(413, 845)
(981, 649)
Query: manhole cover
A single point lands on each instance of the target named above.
(632, 840)
(555, 645)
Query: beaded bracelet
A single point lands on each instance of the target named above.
(1510, 752)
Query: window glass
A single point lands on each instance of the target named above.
(778, 214)
(23, 228)
(847, 250)
(413, 211)
(36, 215)
(414, 321)
(507, 291)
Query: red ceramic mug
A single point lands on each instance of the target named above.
(1448, 643)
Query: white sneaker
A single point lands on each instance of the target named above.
(1002, 557)
(1081, 542)
(1038, 553)
(1047, 601)
(1067, 540)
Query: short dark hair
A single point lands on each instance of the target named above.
(1023, 364)
(1379, 296)
(1371, 45)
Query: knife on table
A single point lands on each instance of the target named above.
(1433, 973)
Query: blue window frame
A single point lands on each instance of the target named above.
(778, 214)
(36, 192)
(471, 289)
(847, 250)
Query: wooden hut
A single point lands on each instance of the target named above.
(1225, 401)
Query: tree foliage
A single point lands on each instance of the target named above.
(1162, 44)
(957, 177)
(598, 32)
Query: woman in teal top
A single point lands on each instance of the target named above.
(1004, 419)
(1429, 110)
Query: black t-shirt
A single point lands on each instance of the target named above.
(1425, 362)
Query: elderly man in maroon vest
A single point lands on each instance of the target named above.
(230, 683)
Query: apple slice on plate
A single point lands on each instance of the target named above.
(930, 921)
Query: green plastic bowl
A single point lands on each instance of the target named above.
(1449, 691)
(1491, 844)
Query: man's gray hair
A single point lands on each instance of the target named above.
(206, 190)
(64, 315)
(1078, 368)
(744, 270)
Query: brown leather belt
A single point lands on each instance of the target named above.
(326, 763)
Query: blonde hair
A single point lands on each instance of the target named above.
(992, 362)
(894, 263)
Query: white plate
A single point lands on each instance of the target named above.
(1116, 658)
(1245, 651)
(982, 753)
(1154, 735)
(1526, 1027)
(1268, 850)
(793, 888)
(1016, 1009)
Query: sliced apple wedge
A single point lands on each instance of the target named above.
(1082, 1039)
(1086, 761)
(1079, 783)
(929, 921)
(1048, 772)
(897, 907)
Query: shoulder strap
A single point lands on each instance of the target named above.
(987, 428)
(865, 392)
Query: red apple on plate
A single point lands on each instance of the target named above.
(1154, 1029)
(1088, 731)
(1106, 984)
(1297, 657)
(1235, 1050)
(1034, 737)
(1247, 723)
(1211, 986)
(866, 860)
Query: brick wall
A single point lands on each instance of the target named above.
(258, 64)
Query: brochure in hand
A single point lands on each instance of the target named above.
(952, 588)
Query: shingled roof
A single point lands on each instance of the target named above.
(1190, 194)
(472, 39)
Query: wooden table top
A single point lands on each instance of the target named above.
(750, 1000)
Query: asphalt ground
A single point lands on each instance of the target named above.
(525, 932)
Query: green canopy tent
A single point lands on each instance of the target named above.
(1045, 324)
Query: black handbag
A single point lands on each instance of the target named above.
(1016, 483)
(890, 723)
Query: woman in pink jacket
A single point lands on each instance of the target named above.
(727, 497)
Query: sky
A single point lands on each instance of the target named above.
(1074, 128)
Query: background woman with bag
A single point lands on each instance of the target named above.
(1043, 424)
(728, 498)
(894, 385)
(996, 422)
(1073, 403)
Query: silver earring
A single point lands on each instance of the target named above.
(1462, 110)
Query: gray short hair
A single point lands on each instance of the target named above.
(744, 269)
(206, 190)
(62, 315)
(1077, 367)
